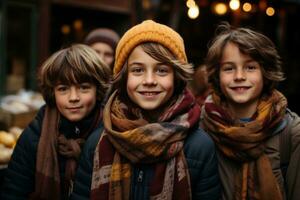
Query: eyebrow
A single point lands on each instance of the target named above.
(135, 63)
(231, 62)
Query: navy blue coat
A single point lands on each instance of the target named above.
(19, 180)
(201, 158)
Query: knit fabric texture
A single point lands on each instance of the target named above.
(103, 35)
(148, 31)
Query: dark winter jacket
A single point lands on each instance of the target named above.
(19, 180)
(201, 159)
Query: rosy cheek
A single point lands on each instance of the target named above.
(92, 100)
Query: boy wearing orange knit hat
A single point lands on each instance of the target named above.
(150, 145)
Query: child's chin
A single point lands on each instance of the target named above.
(74, 118)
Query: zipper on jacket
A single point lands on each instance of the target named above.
(140, 183)
(77, 130)
(140, 176)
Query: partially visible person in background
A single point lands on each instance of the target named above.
(104, 42)
(73, 82)
(199, 85)
(257, 136)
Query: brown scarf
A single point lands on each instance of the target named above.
(244, 143)
(127, 141)
(47, 177)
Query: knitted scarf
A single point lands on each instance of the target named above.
(200, 98)
(129, 139)
(245, 143)
(47, 177)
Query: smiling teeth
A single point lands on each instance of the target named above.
(240, 88)
(149, 93)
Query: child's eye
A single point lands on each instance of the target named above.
(61, 88)
(251, 67)
(85, 86)
(108, 54)
(227, 68)
(136, 70)
(163, 70)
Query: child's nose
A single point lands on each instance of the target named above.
(240, 74)
(74, 96)
(150, 79)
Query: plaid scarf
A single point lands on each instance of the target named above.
(200, 98)
(47, 177)
(245, 143)
(130, 140)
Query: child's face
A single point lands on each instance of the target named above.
(75, 102)
(150, 83)
(241, 78)
(105, 52)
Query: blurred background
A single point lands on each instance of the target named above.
(31, 30)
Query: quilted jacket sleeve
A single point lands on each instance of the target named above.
(203, 166)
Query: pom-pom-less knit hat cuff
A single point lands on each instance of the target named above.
(148, 31)
(103, 35)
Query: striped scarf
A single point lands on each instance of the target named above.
(125, 142)
(245, 143)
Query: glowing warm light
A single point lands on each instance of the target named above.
(193, 12)
(190, 3)
(220, 8)
(77, 24)
(247, 7)
(234, 4)
(262, 5)
(146, 4)
(65, 29)
(270, 11)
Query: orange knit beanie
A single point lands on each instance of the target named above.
(148, 31)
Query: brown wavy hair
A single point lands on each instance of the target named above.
(258, 46)
(73, 65)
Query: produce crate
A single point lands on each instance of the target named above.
(17, 119)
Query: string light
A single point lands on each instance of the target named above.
(190, 3)
(270, 11)
(193, 12)
(220, 8)
(234, 4)
(77, 24)
(247, 7)
(65, 29)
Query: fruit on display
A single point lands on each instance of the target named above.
(8, 140)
